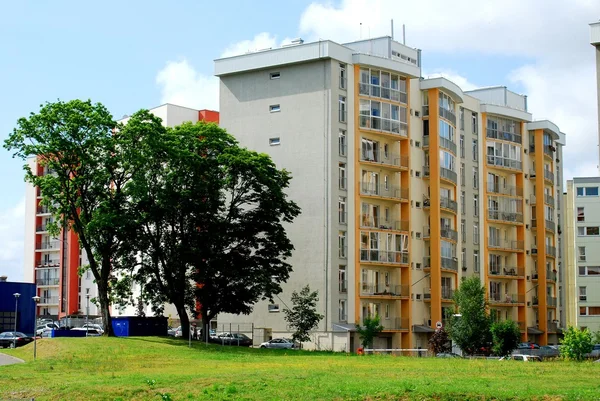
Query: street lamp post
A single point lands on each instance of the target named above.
(36, 299)
(17, 295)
(87, 313)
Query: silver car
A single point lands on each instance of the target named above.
(278, 343)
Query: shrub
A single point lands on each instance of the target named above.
(576, 343)
(505, 337)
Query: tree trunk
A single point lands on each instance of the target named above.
(205, 328)
(184, 319)
(105, 309)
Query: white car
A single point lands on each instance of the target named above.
(278, 343)
(40, 330)
(90, 331)
(521, 357)
(94, 326)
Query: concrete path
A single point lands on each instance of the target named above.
(9, 360)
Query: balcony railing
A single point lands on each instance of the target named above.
(509, 190)
(447, 144)
(343, 286)
(381, 289)
(549, 176)
(425, 171)
(447, 293)
(549, 150)
(425, 111)
(506, 244)
(47, 245)
(389, 159)
(41, 228)
(551, 276)
(498, 161)
(392, 257)
(448, 115)
(550, 225)
(504, 136)
(506, 299)
(383, 124)
(552, 326)
(47, 281)
(551, 251)
(384, 93)
(450, 263)
(549, 199)
(444, 232)
(48, 263)
(551, 301)
(507, 271)
(509, 217)
(49, 301)
(43, 210)
(448, 174)
(448, 203)
(384, 191)
(367, 221)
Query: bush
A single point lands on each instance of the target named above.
(576, 343)
(440, 342)
(369, 331)
(505, 337)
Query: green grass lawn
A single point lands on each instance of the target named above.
(120, 368)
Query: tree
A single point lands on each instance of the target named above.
(505, 336)
(369, 331)
(576, 343)
(210, 221)
(80, 145)
(596, 337)
(303, 316)
(471, 329)
(440, 342)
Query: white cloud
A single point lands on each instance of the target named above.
(453, 76)
(182, 85)
(12, 235)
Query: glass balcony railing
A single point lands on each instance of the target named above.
(448, 115)
(373, 123)
(47, 281)
(507, 271)
(49, 301)
(379, 223)
(381, 289)
(47, 245)
(504, 136)
(509, 190)
(387, 159)
(383, 190)
(506, 244)
(385, 257)
(448, 175)
(497, 161)
(392, 94)
(506, 299)
(508, 217)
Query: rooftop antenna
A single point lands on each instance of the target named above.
(392, 21)
(361, 30)
(403, 34)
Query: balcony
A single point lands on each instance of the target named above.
(366, 89)
(47, 263)
(447, 295)
(41, 228)
(384, 191)
(505, 217)
(47, 281)
(43, 210)
(49, 301)
(448, 115)
(445, 232)
(552, 326)
(378, 223)
(397, 323)
(385, 125)
(54, 245)
(381, 158)
(551, 302)
(426, 171)
(447, 144)
(549, 200)
(506, 271)
(450, 263)
(502, 162)
(549, 150)
(506, 245)
(381, 290)
(549, 176)
(504, 136)
(550, 226)
(551, 251)
(448, 174)
(550, 276)
(506, 299)
(508, 190)
(384, 257)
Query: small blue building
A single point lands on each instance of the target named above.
(129, 326)
(24, 305)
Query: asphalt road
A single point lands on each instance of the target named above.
(9, 360)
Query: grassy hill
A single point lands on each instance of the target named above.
(161, 368)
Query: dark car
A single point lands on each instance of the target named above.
(528, 346)
(232, 339)
(11, 339)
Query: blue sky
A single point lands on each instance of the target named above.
(114, 51)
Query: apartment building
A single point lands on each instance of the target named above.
(385, 228)
(582, 269)
(52, 263)
(595, 41)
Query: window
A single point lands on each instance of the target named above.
(343, 246)
(417, 144)
(275, 75)
(417, 174)
(342, 76)
(273, 308)
(343, 281)
(583, 293)
(462, 174)
(475, 177)
(343, 315)
(342, 213)
(582, 310)
(342, 111)
(588, 231)
(274, 108)
(418, 266)
(462, 118)
(475, 150)
(463, 230)
(587, 191)
(589, 271)
(463, 206)
(589, 311)
(418, 205)
(476, 261)
(342, 171)
(475, 205)
(474, 123)
(476, 233)
(342, 142)
(462, 146)
(387, 311)
(274, 141)
(581, 253)
(580, 214)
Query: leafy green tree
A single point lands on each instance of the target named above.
(470, 330)
(440, 342)
(596, 337)
(369, 331)
(80, 144)
(303, 316)
(576, 343)
(505, 337)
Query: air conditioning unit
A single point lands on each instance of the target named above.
(417, 113)
(527, 226)
(526, 175)
(528, 303)
(525, 150)
(534, 251)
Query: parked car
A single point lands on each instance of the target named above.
(528, 346)
(90, 332)
(94, 326)
(521, 357)
(12, 339)
(278, 343)
(448, 355)
(232, 339)
(172, 330)
(595, 352)
(45, 327)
